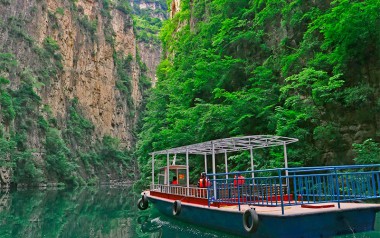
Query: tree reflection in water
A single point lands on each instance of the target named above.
(94, 213)
(86, 212)
(83, 212)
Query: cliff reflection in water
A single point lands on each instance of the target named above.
(85, 212)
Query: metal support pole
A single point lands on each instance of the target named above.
(225, 163)
(187, 173)
(214, 169)
(205, 163)
(281, 194)
(152, 171)
(167, 169)
(286, 159)
(252, 166)
(337, 187)
(286, 168)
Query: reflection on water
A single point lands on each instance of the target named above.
(86, 212)
(68, 213)
(162, 226)
(369, 234)
(95, 212)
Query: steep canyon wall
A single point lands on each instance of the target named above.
(85, 65)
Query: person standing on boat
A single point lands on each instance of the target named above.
(203, 181)
(239, 180)
(174, 181)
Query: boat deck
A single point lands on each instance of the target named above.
(294, 210)
(298, 210)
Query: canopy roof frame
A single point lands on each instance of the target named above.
(229, 144)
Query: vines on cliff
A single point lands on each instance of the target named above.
(63, 154)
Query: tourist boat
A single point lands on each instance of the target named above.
(280, 202)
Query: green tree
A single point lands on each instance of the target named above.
(367, 152)
(57, 156)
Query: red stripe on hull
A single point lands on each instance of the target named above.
(193, 200)
(199, 201)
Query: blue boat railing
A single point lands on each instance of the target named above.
(296, 186)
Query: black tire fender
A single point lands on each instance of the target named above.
(142, 203)
(144, 198)
(250, 220)
(176, 207)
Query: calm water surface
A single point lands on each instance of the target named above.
(95, 212)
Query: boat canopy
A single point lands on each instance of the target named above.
(229, 145)
(220, 146)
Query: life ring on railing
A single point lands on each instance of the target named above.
(142, 203)
(176, 207)
(250, 220)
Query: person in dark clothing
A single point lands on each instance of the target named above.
(174, 181)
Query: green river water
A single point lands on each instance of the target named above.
(95, 212)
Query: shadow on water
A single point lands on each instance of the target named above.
(95, 212)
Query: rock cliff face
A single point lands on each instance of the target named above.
(88, 72)
(175, 7)
(84, 51)
(149, 49)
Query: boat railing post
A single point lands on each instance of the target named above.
(373, 183)
(238, 191)
(281, 193)
(209, 197)
(337, 187)
(295, 188)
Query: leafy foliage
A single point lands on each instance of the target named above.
(79, 129)
(293, 68)
(57, 155)
(367, 153)
(146, 22)
(26, 169)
